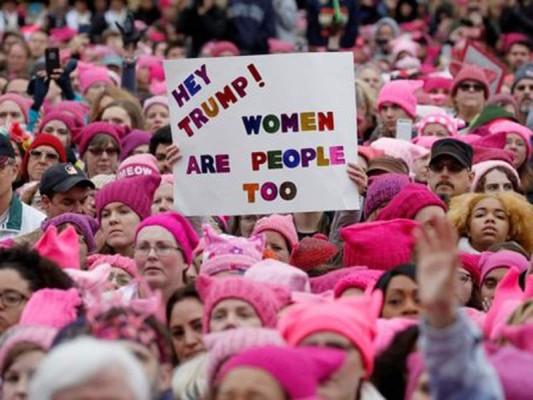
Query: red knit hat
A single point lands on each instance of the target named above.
(464, 72)
(470, 262)
(379, 245)
(409, 201)
(402, 93)
(43, 140)
(91, 130)
(312, 252)
(136, 192)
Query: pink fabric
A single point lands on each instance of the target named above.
(69, 121)
(415, 368)
(51, 307)
(149, 102)
(363, 280)
(279, 273)
(93, 129)
(444, 120)
(215, 49)
(471, 72)
(117, 261)
(23, 103)
(312, 252)
(397, 148)
(437, 83)
(92, 76)
(470, 262)
(93, 282)
(513, 366)
(370, 243)
(507, 127)
(138, 165)
(425, 141)
(520, 336)
(401, 93)
(387, 329)
(382, 189)
(482, 168)
(62, 248)
(352, 317)
(133, 140)
(501, 259)
(282, 224)
(277, 46)
(324, 283)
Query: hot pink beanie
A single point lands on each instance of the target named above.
(69, 121)
(62, 248)
(470, 72)
(273, 271)
(124, 263)
(382, 189)
(138, 165)
(282, 224)
(379, 245)
(298, 371)
(136, 192)
(93, 129)
(402, 93)
(132, 140)
(362, 280)
(93, 75)
(51, 307)
(501, 259)
(265, 299)
(508, 127)
(23, 103)
(326, 283)
(179, 227)
(353, 317)
(409, 202)
(482, 168)
(225, 253)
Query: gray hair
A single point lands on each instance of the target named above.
(190, 379)
(78, 361)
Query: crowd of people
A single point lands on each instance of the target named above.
(109, 292)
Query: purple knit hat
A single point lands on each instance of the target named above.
(282, 224)
(226, 253)
(136, 192)
(93, 129)
(381, 190)
(133, 140)
(265, 299)
(84, 224)
(179, 227)
(299, 371)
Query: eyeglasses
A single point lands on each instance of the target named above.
(12, 298)
(522, 87)
(97, 152)
(160, 249)
(466, 87)
(451, 166)
(48, 156)
(463, 278)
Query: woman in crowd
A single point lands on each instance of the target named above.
(122, 113)
(99, 148)
(400, 292)
(280, 233)
(495, 176)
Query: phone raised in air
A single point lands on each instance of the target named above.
(404, 129)
(51, 59)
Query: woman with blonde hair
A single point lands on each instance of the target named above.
(108, 95)
(366, 110)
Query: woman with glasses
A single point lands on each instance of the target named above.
(164, 245)
(23, 272)
(100, 148)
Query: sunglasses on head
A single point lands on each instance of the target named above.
(47, 155)
(466, 87)
(99, 151)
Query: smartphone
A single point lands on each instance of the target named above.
(404, 129)
(51, 59)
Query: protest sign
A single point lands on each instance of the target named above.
(473, 54)
(263, 134)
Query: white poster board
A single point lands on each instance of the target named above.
(263, 134)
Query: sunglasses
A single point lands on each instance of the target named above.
(452, 167)
(523, 87)
(47, 155)
(466, 87)
(99, 151)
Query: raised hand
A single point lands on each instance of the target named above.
(130, 35)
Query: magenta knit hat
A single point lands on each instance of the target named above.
(298, 371)
(481, 169)
(83, 223)
(42, 336)
(273, 271)
(502, 259)
(51, 307)
(379, 245)
(93, 75)
(133, 140)
(470, 72)
(62, 248)
(409, 202)
(282, 224)
(138, 165)
(61, 116)
(402, 93)
(149, 102)
(93, 129)
(513, 366)
(136, 192)
(179, 227)
(326, 283)
(265, 299)
(362, 280)
(124, 263)
(23, 103)
(508, 127)
(223, 345)
(226, 253)
(382, 189)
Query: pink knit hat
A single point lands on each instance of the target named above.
(470, 72)
(92, 284)
(382, 189)
(409, 202)
(425, 141)
(92, 76)
(482, 168)
(279, 273)
(407, 151)
(451, 124)
(326, 283)
(179, 227)
(167, 178)
(124, 263)
(23, 103)
(149, 102)
(93, 129)
(282, 224)
(265, 299)
(225, 253)
(277, 46)
(223, 345)
(512, 366)
(353, 318)
(401, 93)
(502, 259)
(136, 192)
(138, 165)
(363, 280)
(63, 117)
(470, 262)
(62, 248)
(216, 48)
(298, 371)
(508, 127)
(51, 307)
(387, 330)
(312, 252)
(133, 140)
(370, 243)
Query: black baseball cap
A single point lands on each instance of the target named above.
(6, 149)
(60, 178)
(458, 150)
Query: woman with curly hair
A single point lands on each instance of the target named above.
(484, 220)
